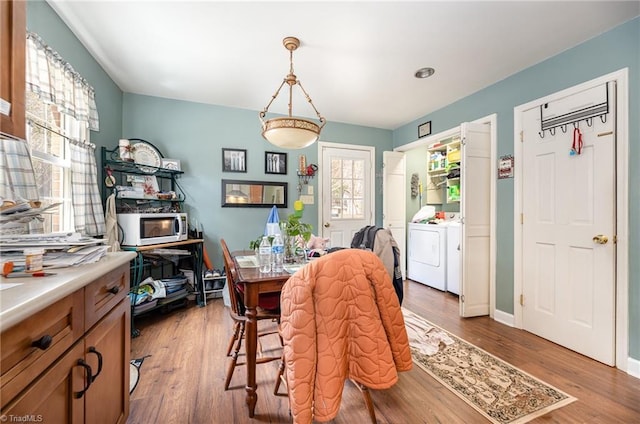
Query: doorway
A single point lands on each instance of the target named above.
(346, 191)
(476, 299)
(571, 277)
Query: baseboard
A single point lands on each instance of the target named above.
(504, 318)
(633, 367)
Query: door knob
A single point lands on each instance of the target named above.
(600, 239)
(327, 225)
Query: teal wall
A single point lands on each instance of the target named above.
(195, 134)
(44, 21)
(614, 50)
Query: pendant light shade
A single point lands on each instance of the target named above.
(291, 132)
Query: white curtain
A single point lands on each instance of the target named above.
(17, 179)
(55, 81)
(85, 197)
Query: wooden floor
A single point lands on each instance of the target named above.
(182, 381)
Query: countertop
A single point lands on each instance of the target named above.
(33, 294)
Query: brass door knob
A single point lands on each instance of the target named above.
(327, 225)
(600, 239)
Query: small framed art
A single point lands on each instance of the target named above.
(172, 164)
(275, 163)
(234, 160)
(424, 129)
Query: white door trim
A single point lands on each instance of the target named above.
(372, 154)
(622, 205)
(492, 121)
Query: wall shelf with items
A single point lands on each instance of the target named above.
(140, 187)
(443, 162)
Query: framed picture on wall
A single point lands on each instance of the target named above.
(234, 160)
(275, 163)
(424, 129)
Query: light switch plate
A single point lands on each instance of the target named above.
(310, 190)
(307, 200)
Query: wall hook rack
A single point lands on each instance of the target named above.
(555, 118)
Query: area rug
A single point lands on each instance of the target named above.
(499, 391)
(134, 372)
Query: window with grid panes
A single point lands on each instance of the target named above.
(48, 134)
(347, 188)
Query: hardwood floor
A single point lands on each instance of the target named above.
(183, 379)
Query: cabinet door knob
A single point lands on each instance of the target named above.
(114, 290)
(43, 342)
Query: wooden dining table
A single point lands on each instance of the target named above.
(254, 283)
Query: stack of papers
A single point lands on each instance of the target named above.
(13, 219)
(61, 249)
(247, 261)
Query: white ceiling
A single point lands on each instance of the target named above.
(356, 59)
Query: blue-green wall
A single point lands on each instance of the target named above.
(44, 21)
(614, 50)
(195, 134)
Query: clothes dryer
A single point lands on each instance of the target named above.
(427, 254)
(454, 257)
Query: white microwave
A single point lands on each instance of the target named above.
(143, 229)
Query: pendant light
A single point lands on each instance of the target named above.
(291, 132)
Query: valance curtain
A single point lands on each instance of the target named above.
(56, 82)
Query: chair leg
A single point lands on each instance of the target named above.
(367, 400)
(234, 357)
(234, 337)
(280, 379)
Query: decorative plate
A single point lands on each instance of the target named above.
(146, 154)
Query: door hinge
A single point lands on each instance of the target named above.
(521, 219)
(462, 298)
(463, 141)
(521, 136)
(521, 300)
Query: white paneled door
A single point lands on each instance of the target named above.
(569, 232)
(348, 200)
(394, 200)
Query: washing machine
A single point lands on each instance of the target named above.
(454, 257)
(427, 254)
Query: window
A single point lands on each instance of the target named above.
(347, 188)
(48, 134)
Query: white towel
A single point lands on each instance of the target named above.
(111, 223)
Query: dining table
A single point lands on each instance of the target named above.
(255, 283)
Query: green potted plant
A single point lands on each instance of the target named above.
(293, 229)
(294, 232)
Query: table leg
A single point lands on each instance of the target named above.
(251, 342)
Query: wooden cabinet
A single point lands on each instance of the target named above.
(80, 372)
(13, 17)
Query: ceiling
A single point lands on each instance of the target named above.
(356, 60)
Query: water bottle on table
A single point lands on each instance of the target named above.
(264, 255)
(277, 251)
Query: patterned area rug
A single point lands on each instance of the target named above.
(134, 372)
(499, 391)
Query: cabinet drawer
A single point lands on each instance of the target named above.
(104, 294)
(22, 360)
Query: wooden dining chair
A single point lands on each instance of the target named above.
(237, 313)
